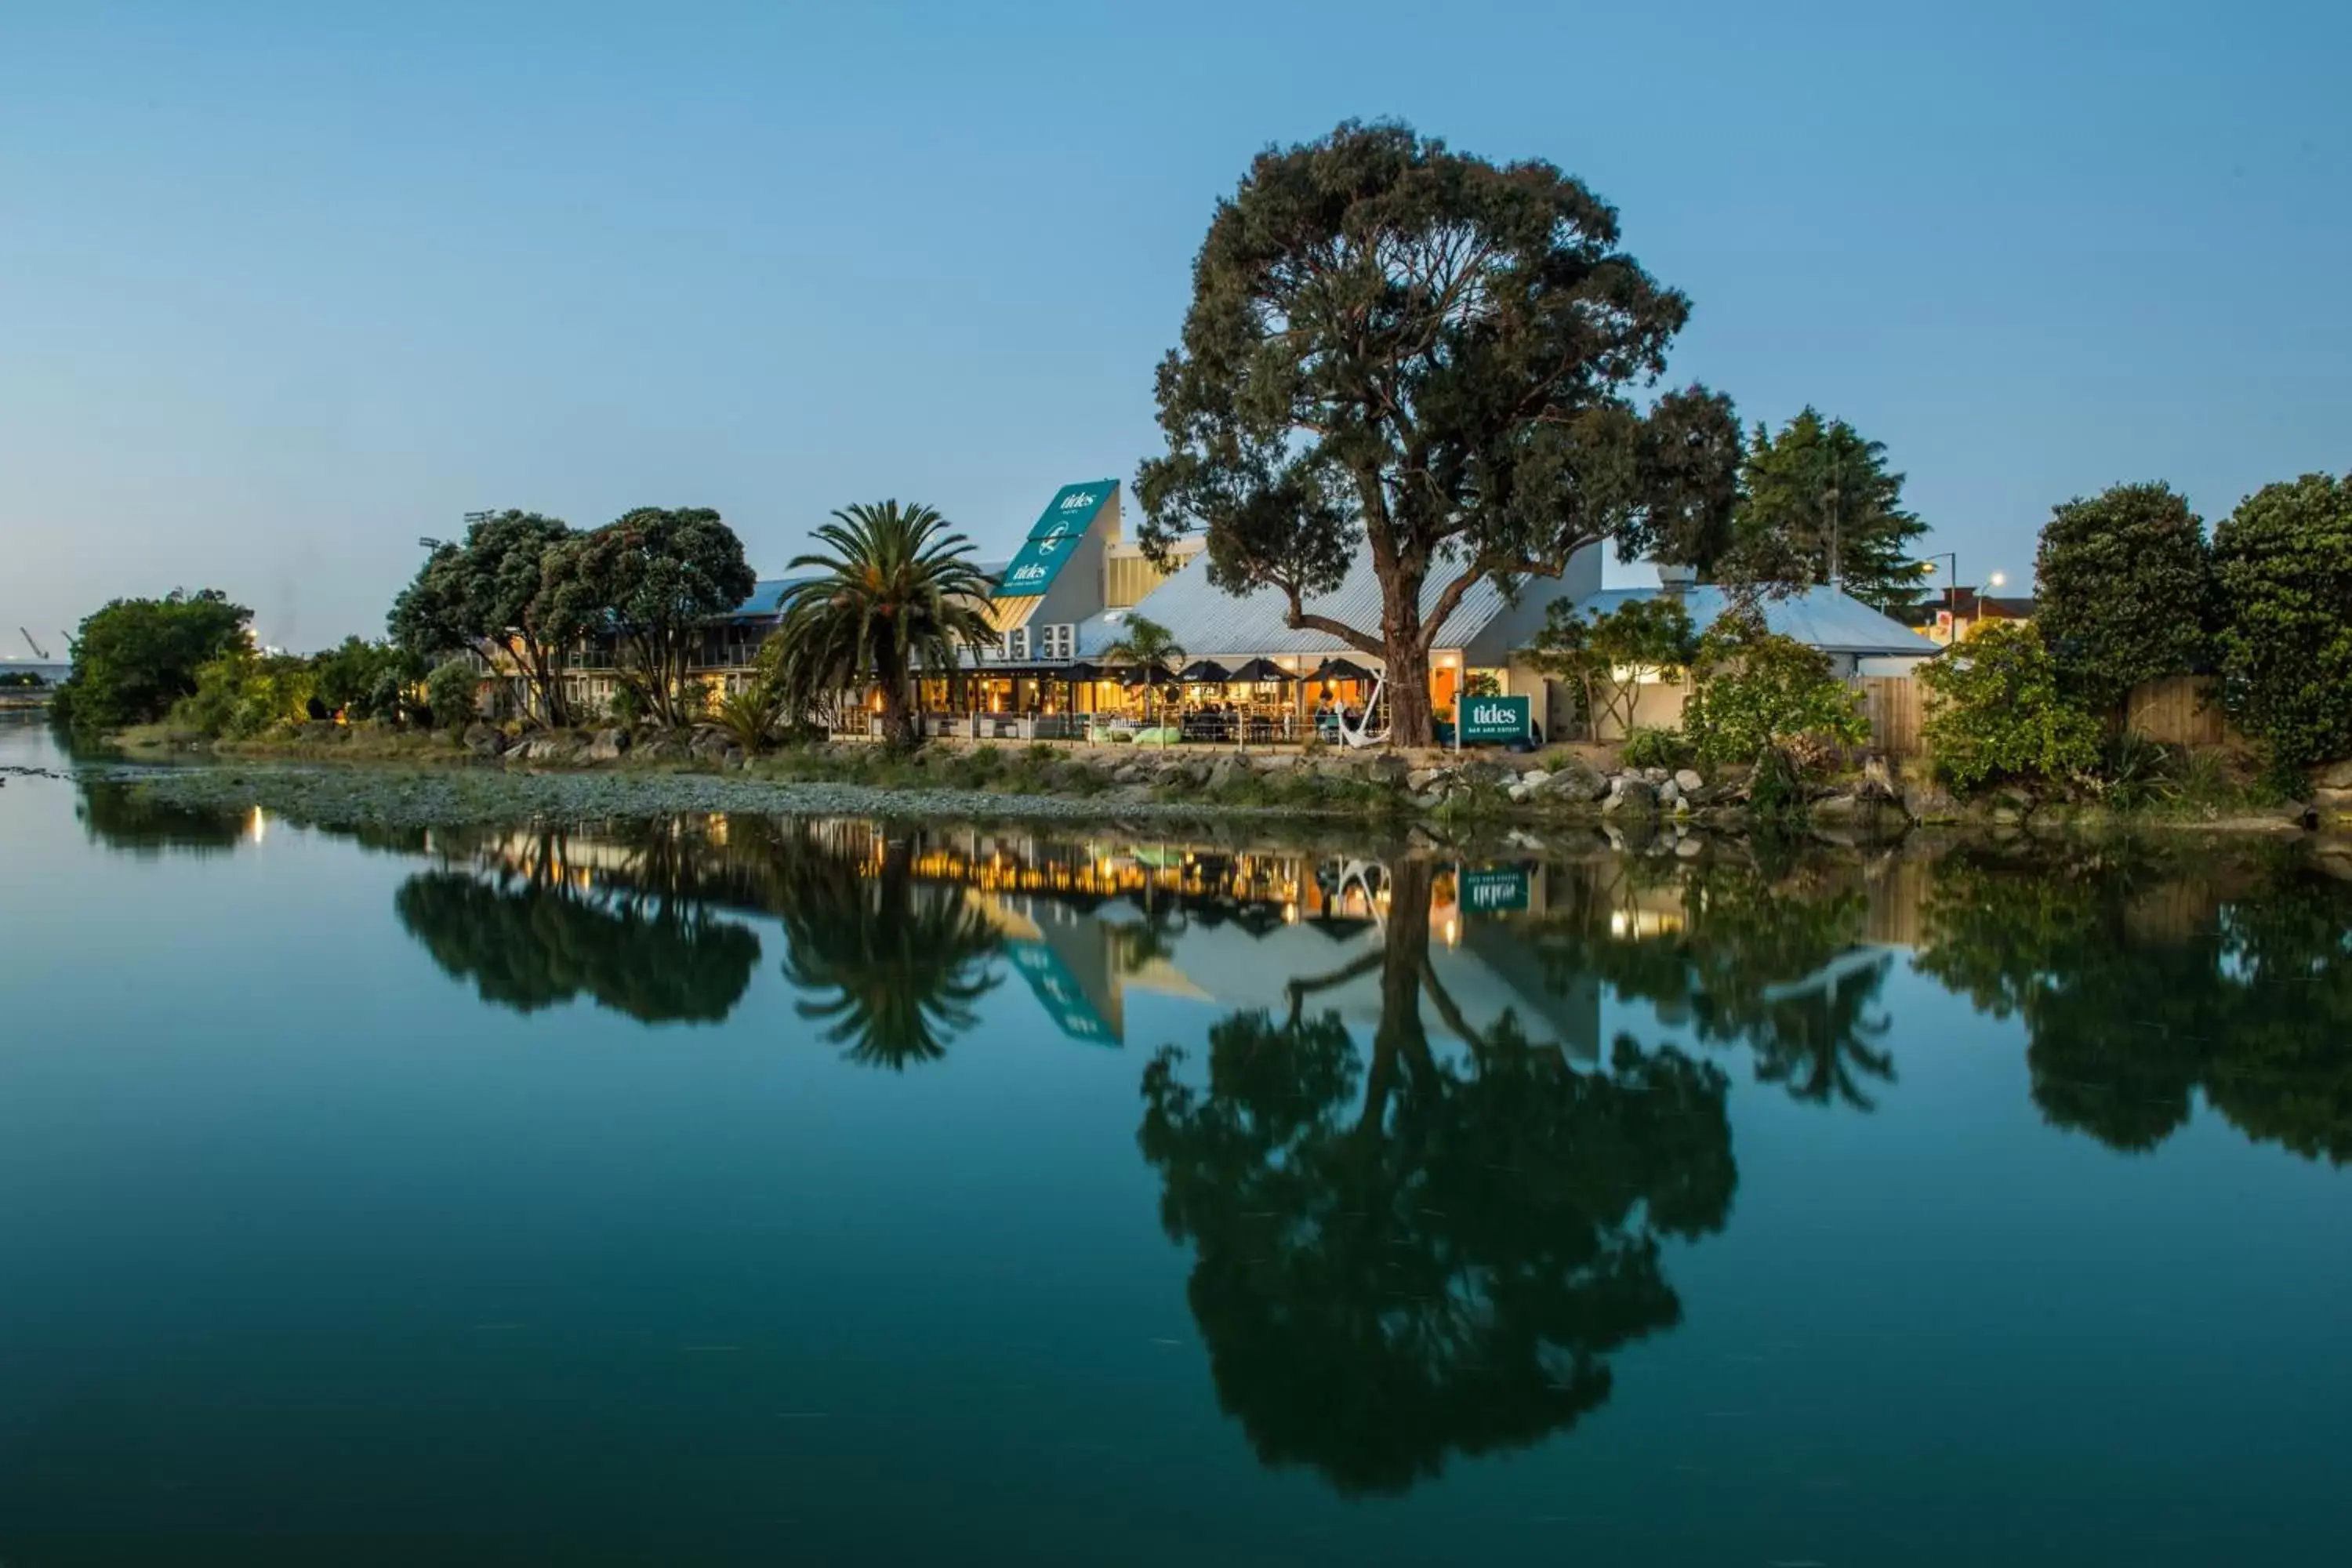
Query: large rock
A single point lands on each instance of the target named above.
(484, 740)
(1687, 782)
(607, 746)
(1480, 771)
(1630, 793)
(1572, 781)
(1227, 769)
(1838, 808)
(1420, 779)
(2335, 776)
(1535, 778)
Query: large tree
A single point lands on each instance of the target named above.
(653, 578)
(1818, 504)
(2123, 584)
(135, 657)
(2283, 578)
(1400, 352)
(896, 591)
(488, 593)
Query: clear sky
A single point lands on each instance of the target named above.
(285, 286)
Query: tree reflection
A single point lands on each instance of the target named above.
(894, 970)
(1427, 1253)
(2140, 983)
(1766, 953)
(123, 818)
(533, 933)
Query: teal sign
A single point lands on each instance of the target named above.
(1492, 889)
(1055, 538)
(1493, 719)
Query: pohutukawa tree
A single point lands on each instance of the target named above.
(486, 594)
(1402, 352)
(655, 577)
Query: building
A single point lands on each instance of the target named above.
(1074, 589)
(1955, 614)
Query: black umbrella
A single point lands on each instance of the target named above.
(1340, 669)
(1082, 671)
(1205, 672)
(1261, 670)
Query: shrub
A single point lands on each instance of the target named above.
(135, 657)
(1758, 691)
(2283, 572)
(751, 719)
(449, 693)
(1651, 748)
(1996, 714)
(242, 694)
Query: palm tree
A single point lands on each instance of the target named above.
(896, 594)
(1152, 647)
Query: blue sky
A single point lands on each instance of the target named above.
(284, 286)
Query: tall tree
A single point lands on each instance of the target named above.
(2282, 577)
(488, 593)
(2123, 581)
(897, 591)
(655, 577)
(1818, 504)
(135, 657)
(1403, 353)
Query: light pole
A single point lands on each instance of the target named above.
(1951, 587)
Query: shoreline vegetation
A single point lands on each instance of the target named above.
(335, 774)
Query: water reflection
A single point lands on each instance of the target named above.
(2142, 980)
(1431, 1252)
(533, 927)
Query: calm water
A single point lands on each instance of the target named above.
(754, 1191)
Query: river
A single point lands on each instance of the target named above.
(759, 1190)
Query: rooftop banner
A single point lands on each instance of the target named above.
(1067, 519)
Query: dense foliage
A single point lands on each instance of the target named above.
(1399, 354)
(2282, 572)
(449, 693)
(896, 593)
(1755, 691)
(135, 657)
(650, 580)
(1152, 651)
(488, 595)
(2124, 585)
(1996, 715)
(1605, 656)
(1818, 504)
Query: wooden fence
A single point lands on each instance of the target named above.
(2178, 711)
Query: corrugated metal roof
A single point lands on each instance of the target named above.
(1213, 623)
(766, 596)
(1826, 618)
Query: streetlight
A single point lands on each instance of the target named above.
(1997, 580)
(1951, 587)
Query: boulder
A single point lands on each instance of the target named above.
(1838, 808)
(1420, 779)
(1480, 771)
(1519, 792)
(1686, 781)
(2335, 776)
(1572, 781)
(607, 746)
(484, 740)
(1630, 793)
(1535, 778)
(1429, 801)
(1226, 769)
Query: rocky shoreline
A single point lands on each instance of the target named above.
(484, 777)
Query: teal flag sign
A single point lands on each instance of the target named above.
(1054, 537)
(1494, 719)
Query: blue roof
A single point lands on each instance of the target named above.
(1213, 623)
(767, 597)
(1827, 619)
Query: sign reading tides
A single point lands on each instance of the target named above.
(1067, 519)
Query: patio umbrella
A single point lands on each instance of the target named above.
(1263, 669)
(1340, 669)
(1203, 671)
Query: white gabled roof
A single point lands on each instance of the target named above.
(1827, 619)
(1213, 623)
